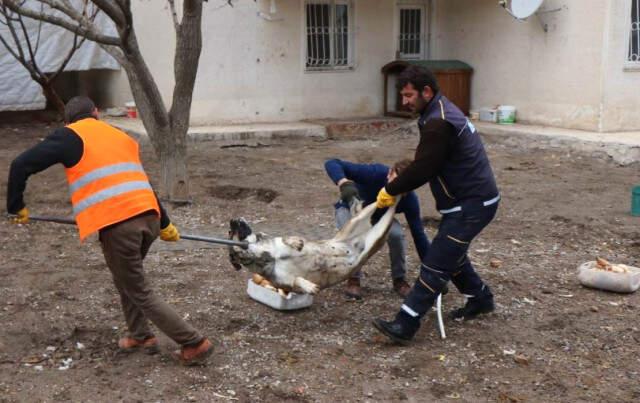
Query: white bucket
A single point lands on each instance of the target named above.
(506, 114)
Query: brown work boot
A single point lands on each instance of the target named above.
(353, 289)
(195, 355)
(129, 344)
(401, 287)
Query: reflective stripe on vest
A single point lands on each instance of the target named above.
(103, 173)
(109, 193)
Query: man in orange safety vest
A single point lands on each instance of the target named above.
(111, 195)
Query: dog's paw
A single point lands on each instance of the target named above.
(306, 285)
(294, 242)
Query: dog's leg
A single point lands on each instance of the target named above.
(357, 225)
(374, 238)
(306, 285)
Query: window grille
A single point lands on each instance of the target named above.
(634, 33)
(410, 38)
(329, 33)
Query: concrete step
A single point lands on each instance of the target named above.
(350, 128)
(621, 147)
(232, 132)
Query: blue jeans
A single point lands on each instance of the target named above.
(447, 260)
(395, 241)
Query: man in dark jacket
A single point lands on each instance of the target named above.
(451, 157)
(363, 182)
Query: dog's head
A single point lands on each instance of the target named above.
(252, 258)
(239, 229)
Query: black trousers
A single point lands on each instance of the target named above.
(447, 260)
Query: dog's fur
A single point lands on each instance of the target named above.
(305, 266)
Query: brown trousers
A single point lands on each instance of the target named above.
(125, 245)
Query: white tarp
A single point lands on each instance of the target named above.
(17, 90)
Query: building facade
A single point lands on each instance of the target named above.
(574, 65)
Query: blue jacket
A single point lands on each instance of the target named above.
(466, 177)
(369, 179)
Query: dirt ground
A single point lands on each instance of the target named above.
(550, 339)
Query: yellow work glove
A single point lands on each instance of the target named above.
(22, 217)
(384, 199)
(170, 233)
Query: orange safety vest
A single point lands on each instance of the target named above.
(108, 185)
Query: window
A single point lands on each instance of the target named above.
(633, 56)
(329, 35)
(411, 32)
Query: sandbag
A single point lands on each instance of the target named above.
(590, 275)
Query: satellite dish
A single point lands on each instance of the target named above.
(522, 9)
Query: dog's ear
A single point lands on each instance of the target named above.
(239, 227)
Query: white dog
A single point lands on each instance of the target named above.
(294, 263)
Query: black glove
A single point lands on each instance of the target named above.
(348, 192)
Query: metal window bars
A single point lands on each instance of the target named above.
(328, 35)
(634, 33)
(410, 35)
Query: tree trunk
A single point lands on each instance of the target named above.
(168, 142)
(173, 172)
(53, 99)
(167, 130)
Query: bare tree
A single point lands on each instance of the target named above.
(24, 49)
(167, 128)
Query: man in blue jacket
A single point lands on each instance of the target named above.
(451, 158)
(364, 181)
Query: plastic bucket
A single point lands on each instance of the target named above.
(506, 114)
(635, 201)
(132, 111)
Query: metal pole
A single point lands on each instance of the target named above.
(69, 221)
(229, 242)
(59, 220)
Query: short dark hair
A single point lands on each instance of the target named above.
(419, 77)
(77, 108)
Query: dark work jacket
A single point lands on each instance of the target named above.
(466, 176)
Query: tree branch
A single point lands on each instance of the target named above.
(39, 32)
(18, 53)
(66, 60)
(125, 5)
(27, 39)
(13, 53)
(187, 56)
(117, 53)
(113, 11)
(87, 31)
(174, 14)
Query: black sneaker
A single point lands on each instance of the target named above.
(397, 331)
(475, 306)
